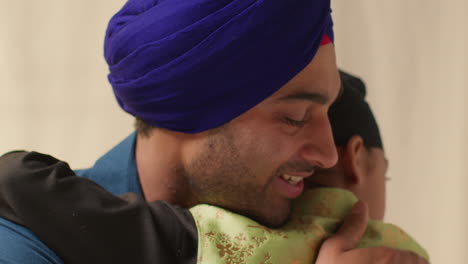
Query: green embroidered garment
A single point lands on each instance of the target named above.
(229, 238)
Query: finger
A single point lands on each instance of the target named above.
(351, 231)
(405, 257)
(376, 255)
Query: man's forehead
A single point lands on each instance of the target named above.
(319, 91)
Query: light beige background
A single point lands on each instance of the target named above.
(413, 55)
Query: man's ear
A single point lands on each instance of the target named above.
(354, 160)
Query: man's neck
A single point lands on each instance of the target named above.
(160, 169)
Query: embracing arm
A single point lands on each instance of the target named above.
(87, 224)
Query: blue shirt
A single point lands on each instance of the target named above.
(115, 171)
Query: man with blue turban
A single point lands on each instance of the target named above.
(231, 99)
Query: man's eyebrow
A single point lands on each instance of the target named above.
(306, 96)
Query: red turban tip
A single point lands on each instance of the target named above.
(325, 40)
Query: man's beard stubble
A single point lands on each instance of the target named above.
(220, 176)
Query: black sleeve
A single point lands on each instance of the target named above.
(85, 224)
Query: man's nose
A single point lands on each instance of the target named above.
(319, 147)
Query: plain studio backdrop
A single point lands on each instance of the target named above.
(413, 55)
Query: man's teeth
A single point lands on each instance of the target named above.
(291, 179)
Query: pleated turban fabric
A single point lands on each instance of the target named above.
(193, 65)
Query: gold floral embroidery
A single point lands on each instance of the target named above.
(235, 250)
(267, 259)
(210, 234)
(220, 214)
(226, 238)
(300, 224)
(259, 240)
(266, 230)
(225, 249)
(326, 205)
(241, 237)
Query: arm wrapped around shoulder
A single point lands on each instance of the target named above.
(84, 223)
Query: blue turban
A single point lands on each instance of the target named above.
(193, 65)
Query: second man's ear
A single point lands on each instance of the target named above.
(355, 166)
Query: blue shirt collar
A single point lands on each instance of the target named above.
(116, 171)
